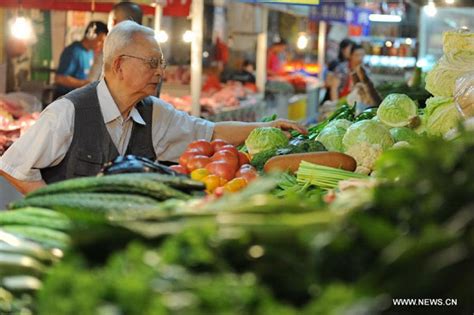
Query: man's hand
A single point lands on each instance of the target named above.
(287, 125)
(23, 187)
(236, 132)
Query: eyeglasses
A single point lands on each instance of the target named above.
(153, 63)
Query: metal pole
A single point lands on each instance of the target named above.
(197, 13)
(261, 64)
(157, 27)
(321, 47)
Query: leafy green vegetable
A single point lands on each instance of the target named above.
(368, 131)
(259, 159)
(397, 110)
(265, 138)
(441, 115)
(331, 138)
(404, 134)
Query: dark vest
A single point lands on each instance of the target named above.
(91, 144)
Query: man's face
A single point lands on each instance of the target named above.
(140, 67)
(98, 42)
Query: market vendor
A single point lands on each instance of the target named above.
(76, 59)
(90, 126)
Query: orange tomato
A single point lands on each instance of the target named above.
(199, 174)
(211, 182)
(235, 184)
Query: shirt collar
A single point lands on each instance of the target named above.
(109, 108)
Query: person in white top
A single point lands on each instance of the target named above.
(133, 66)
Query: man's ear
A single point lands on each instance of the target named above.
(117, 67)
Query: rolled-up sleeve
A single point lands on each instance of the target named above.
(173, 130)
(44, 144)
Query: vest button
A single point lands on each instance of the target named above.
(89, 156)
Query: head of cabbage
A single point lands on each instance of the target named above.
(441, 115)
(265, 138)
(331, 137)
(369, 131)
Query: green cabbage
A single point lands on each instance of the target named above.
(397, 110)
(340, 123)
(369, 131)
(331, 138)
(441, 80)
(265, 138)
(404, 134)
(441, 115)
(457, 41)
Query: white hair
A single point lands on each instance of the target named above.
(120, 37)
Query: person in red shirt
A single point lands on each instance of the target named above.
(274, 63)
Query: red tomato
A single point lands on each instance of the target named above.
(230, 148)
(221, 169)
(184, 158)
(248, 172)
(203, 146)
(243, 159)
(217, 144)
(219, 191)
(227, 156)
(198, 161)
(180, 169)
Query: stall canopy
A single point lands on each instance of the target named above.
(170, 8)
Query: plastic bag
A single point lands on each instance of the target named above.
(464, 94)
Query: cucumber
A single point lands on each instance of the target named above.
(41, 212)
(16, 264)
(142, 184)
(44, 236)
(21, 283)
(93, 207)
(19, 217)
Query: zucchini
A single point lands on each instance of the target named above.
(93, 207)
(148, 185)
(41, 213)
(43, 236)
(21, 283)
(19, 217)
(15, 264)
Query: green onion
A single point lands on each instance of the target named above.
(323, 176)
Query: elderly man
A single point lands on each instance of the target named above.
(115, 116)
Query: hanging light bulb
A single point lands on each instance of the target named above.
(302, 41)
(430, 9)
(162, 37)
(188, 36)
(21, 28)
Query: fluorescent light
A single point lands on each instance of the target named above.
(21, 28)
(302, 41)
(385, 18)
(188, 36)
(430, 9)
(162, 37)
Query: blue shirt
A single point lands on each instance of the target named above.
(76, 62)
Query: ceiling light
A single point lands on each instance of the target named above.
(385, 18)
(162, 37)
(188, 36)
(302, 41)
(430, 9)
(449, 1)
(21, 28)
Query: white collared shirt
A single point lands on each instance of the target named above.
(46, 143)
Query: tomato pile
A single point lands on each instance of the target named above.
(218, 164)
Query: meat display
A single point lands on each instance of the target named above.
(14, 121)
